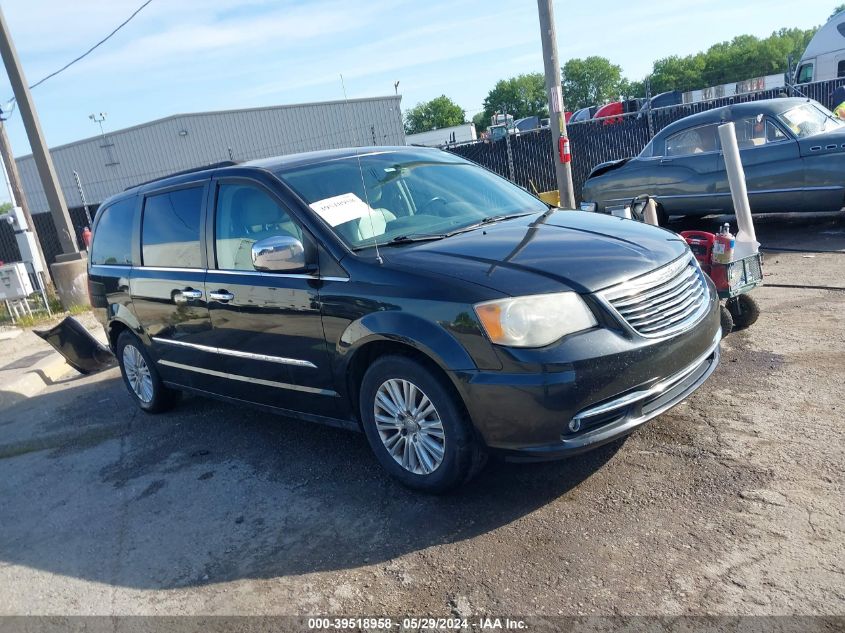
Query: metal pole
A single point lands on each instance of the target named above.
(557, 120)
(13, 180)
(43, 161)
(739, 193)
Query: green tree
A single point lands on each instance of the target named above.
(438, 113)
(481, 122)
(590, 81)
(837, 10)
(521, 96)
(5, 207)
(743, 57)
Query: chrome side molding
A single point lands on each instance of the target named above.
(297, 362)
(256, 381)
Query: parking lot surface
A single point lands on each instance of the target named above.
(731, 503)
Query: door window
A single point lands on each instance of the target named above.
(113, 235)
(755, 131)
(244, 215)
(170, 234)
(695, 141)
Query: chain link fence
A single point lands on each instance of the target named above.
(599, 140)
(526, 159)
(47, 234)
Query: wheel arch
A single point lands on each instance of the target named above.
(380, 334)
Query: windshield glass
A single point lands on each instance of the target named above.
(809, 119)
(411, 194)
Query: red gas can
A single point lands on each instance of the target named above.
(701, 244)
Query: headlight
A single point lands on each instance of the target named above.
(534, 320)
(588, 206)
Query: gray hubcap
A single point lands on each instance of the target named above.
(138, 374)
(409, 426)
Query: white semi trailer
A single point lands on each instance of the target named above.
(825, 55)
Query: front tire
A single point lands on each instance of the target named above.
(416, 427)
(141, 377)
(744, 310)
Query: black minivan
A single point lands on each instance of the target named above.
(405, 292)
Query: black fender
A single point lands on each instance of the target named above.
(426, 337)
(122, 316)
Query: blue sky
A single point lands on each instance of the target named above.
(194, 55)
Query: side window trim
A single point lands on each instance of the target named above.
(139, 235)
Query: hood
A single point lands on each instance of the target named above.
(605, 167)
(825, 143)
(569, 250)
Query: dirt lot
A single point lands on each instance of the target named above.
(732, 503)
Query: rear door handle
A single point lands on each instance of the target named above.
(221, 295)
(188, 294)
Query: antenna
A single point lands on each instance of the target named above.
(361, 174)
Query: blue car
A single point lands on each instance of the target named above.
(793, 152)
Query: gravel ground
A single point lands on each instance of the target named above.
(731, 503)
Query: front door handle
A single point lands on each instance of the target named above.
(188, 294)
(221, 295)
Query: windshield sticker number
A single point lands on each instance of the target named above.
(340, 209)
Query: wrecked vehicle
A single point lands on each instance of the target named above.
(405, 292)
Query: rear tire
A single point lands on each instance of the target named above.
(422, 436)
(744, 310)
(141, 377)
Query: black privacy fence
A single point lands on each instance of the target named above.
(528, 158)
(47, 235)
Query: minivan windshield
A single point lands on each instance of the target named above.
(396, 197)
(808, 119)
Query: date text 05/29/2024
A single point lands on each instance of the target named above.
(416, 624)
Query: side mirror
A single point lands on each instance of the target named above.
(280, 253)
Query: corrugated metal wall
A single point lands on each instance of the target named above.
(107, 165)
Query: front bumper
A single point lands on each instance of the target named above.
(618, 417)
(589, 390)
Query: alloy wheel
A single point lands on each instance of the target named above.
(138, 373)
(409, 426)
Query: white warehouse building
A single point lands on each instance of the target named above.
(109, 163)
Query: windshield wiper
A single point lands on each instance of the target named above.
(426, 237)
(403, 239)
(491, 220)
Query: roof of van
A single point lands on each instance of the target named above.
(274, 164)
(829, 38)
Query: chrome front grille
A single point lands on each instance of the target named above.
(664, 302)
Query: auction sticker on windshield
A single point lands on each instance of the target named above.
(339, 209)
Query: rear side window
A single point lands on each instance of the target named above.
(170, 232)
(695, 141)
(113, 235)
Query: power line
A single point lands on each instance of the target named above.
(90, 50)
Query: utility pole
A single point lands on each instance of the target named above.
(43, 161)
(15, 189)
(557, 119)
(70, 270)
